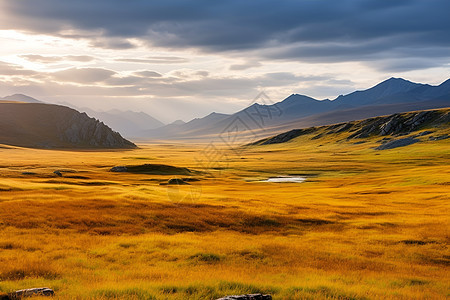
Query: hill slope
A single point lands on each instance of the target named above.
(49, 126)
(391, 127)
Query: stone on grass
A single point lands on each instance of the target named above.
(119, 169)
(43, 291)
(247, 297)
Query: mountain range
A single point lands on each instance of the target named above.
(394, 95)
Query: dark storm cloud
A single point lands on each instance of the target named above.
(112, 43)
(406, 64)
(346, 30)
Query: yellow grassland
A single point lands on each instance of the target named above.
(366, 224)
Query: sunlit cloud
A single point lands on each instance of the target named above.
(54, 59)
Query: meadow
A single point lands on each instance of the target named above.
(366, 224)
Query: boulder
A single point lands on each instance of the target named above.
(44, 291)
(119, 169)
(247, 297)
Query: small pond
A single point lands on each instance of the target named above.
(296, 179)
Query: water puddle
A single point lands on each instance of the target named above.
(295, 179)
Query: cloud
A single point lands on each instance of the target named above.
(112, 43)
(83, 75)
(7, 69)
(245, 66)
(148, 74)
(55, 59)
(406, 64)
(348, 30)
(155, 60)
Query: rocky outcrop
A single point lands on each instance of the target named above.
(50, 126)
(397, 143)
(80, 129)
(438, 138)
(247, 297)
(401, 123)
(119, 169)
(393, 125)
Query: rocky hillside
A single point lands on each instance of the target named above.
(49, 126)
(393, 125)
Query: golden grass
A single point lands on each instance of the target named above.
(365, 225)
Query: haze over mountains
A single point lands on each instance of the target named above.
(128, 123)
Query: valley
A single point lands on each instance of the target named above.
(365, 224)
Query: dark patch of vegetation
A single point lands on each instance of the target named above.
(7, 246)
(315, 221)
(414, 242)
(260, 222)
(209, 258)
(153, 169)
(77, 177)
(29, 173)
(250, 255)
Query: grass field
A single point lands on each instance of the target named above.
(366, 224)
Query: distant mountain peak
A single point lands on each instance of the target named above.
(21, 98)
(397, 81)
(297, 98)
(178, 122)
(388, 88)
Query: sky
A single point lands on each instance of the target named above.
(180, 59)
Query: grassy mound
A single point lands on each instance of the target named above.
(153, 169)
